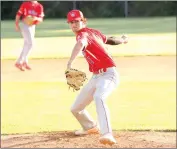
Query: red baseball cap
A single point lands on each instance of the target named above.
(74, 15)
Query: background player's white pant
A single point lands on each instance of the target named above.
(28, 33)
(98, 88)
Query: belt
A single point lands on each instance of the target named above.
(99, 71)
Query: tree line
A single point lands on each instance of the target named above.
(97, 9)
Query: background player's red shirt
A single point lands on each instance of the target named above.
(95, 51)
(29, 8)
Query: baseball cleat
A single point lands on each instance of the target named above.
(107, 139)
(93, 130)
(19, 66)
(25, 65)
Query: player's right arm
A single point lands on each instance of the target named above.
(112, 40)
(18, 15)
(116, 40)
(79, 46)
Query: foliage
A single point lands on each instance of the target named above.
(95, 9)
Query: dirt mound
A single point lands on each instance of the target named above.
(67, 139)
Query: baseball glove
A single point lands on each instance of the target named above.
(29, 20)
(75, 78)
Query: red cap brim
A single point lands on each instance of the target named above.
(74, 19)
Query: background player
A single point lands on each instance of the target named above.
(104, 80)
(35, 9)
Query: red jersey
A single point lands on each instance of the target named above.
(95, 50)
(31, 8)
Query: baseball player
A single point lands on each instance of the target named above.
(35, 10)
(104, 80)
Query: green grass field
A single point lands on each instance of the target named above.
(41, 106)
(60, 47)
(148, 36)
(112, 26)
(45, 106)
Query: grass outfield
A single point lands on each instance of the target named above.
(59, 27)
(147, 36)
(46, 106)
(59, 47)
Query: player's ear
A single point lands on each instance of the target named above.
(84, 20)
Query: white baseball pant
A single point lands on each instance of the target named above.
(98, 88)
(28, 33)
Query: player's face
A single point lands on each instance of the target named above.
(76, 25)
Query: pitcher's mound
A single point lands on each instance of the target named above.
(66, 139)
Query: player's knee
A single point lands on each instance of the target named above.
(76, 110)
(73, 110)
(29, 43)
